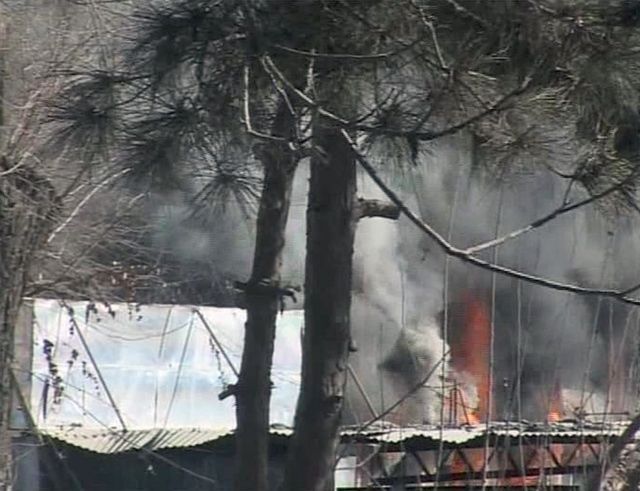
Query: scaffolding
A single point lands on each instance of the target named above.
(499, 455)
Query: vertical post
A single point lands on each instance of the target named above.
(6, 312)
(455, 401)
(3, 55)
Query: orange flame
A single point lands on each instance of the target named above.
(470, 352)
(472, 418)
(556, 409)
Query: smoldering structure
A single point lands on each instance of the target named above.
(511, 350)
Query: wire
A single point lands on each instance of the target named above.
(139, 338)
(180, 365)
(445, 320)
(122, 436)
(31, 422)
(491, 360)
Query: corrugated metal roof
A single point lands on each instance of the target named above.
(117, 441)
(402, 434)
(112, 441)
(461, 435)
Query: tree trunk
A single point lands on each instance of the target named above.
(331, 221)
(27, 202)
(625, 475)
(8, 314)
(263, 296)
(619, 467)
(6, 341)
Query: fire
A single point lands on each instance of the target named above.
(470, 354)
(469, 398)
(556, 409)
(470, 359)
(554, 416)
(472, 418)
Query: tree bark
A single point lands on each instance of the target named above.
(331, 221)
(625, 475)
(27, 203)
(8, 314)
(263, 297)
(619, 468)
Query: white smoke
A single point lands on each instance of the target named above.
(552, 336)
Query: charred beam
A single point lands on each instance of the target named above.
(515, 465)
(568, 458)
(420, 463)
(554, 457)
(461, 453)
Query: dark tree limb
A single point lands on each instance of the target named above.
(230, 390)
(266, 288)
(465, 256)
(370, 208)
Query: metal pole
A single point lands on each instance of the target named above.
(98, 372)
(216, 341)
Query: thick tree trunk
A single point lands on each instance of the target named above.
(620, 467)
(5, 400)
(27, 202)
(625, 475)
(6, 341)
(263, 298)
(331, 220)
(8, 315)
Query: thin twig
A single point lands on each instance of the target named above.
(427, 229)
(463, 255)
(247, 112)
(464, 11)
(271, 68)
(363, 392)
(12, 169)
(408, 394)
(84, 201)
(340, 56)
(554, 214)
(434, 36)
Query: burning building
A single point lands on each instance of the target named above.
(518, 366)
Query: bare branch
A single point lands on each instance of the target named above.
(84, 201)
(498, 105)
(464, 11)
(366, 208)
(434, 36)
(273, 70)
(247, 112)
(554, 214)
(408, 394)
(339, 56)
(463, 255)
(9, 170)
(448, 248)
